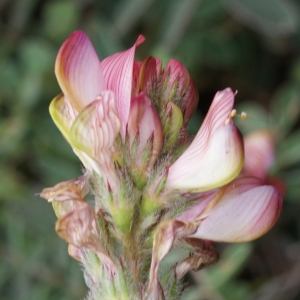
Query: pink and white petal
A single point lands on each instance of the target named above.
(118, 74)
(243, 213)
(74, 189)
(208, 199)
(259, 153)
(199, 205)
(63, 115)
(217, 164)
(96, 127)
(78, 70)
(216, 117)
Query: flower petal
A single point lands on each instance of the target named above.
(76, 226)
(118, 70)
(78, 70)
(96, 127)
(216, 154)
(242, 211)
(63, 115)
(219, 163)
(259, 154)
(67, 195)
(74, 189)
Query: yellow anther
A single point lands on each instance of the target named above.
(243, 115)
(233, 113)
(98, 97)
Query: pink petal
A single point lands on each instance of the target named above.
(118, 70)
(96, 127)
(216, 154)
(145, 122)
(194, 211)
(94, 132)
(259, 154)
(76, 226)
(78, 70)
(243, 211)
(219, 163)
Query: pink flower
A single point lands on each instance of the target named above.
(127, 122)
(95, 104)
(215, 156)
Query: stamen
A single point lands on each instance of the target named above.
(243, 115)
(233, 113)
(98, 97)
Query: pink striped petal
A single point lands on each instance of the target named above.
(76, 226)
(219, 163)
(242, 211)
(96, 127)
(216, 117)
(78, 70)
(259, 154)
(216, 154)
(63, 115)
(117, 70)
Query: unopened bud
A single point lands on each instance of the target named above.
(145, 135)
(172, 123)
(178, 87)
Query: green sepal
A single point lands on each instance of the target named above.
(172, 125)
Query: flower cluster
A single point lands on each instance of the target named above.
(154, 187)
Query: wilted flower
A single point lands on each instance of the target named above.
(153, 186)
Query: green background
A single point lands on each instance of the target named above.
(252, 46)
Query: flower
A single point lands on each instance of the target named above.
(153, 186)
(216, 154)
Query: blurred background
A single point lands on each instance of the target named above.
(252, 46)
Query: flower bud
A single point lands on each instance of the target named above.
(178, 87)
(145, 137)
(172, 123)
